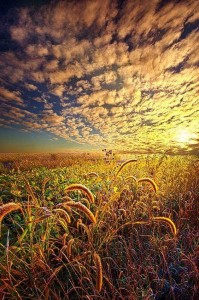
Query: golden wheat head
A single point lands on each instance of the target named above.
(85, 228)
(69, 248)
(82, 188)
(67, 208)
(131, 177)
(62, 212)
(86, 201)
(167, 221)
(67, 198)
(84, 209)
(99, 275)
(7, 208)
(124, 164)
(92, 174)
(154, 185)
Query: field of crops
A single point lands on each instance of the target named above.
(93, 227)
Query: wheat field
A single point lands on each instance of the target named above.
(88, 226)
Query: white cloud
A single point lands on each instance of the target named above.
(116, 72)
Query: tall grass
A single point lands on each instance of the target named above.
(121, 232)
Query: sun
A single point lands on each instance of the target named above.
(185, 136)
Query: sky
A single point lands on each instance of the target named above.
(88, 75)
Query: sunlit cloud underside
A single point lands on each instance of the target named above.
(122, 75)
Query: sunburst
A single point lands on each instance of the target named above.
(185, 136)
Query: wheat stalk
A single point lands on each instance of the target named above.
(7, 208)
(99, 275)
(86, 202)
(69, 248)
(84, 209)
(92, 174)
(123, 165)
(30, 191)
(60, 211)
(63, 223)
(67, 198)
(44, 182)
(64, 238)
(131, 177)
(145, 179)
(42, 214)
(168, 221)
(67, 208)
(82, 188)
(85, 227)
(79, 222)
(147, 222)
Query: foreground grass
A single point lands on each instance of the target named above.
(91, 230)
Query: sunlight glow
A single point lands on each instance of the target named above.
(185, 136)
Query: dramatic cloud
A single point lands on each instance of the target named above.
(117, 74)
(7, 95)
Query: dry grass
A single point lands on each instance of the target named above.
(82, 188)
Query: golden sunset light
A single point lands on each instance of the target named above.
(185, 136)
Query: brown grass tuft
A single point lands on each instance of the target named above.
(82, 188)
